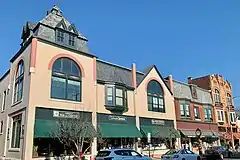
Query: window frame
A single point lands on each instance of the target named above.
(198, 117)
(1, 127)
(229, 99)
(217, 97)
(60, 35)
(4, 101)
(16, 132)
(67, 77)
(114, 89)
(158, 97)
(18, 82)
(71, 39)
(185, 104)
(220, 113)
(232, 117)
(207, 116)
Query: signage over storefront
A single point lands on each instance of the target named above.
(117, 118)
(65, 114)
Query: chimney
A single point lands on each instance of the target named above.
(170, 82)
(189, 80)
(134, 79)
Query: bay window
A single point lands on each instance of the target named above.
(116, 96)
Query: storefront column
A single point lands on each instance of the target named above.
(94, 147)
(178, 143)
(190, 144)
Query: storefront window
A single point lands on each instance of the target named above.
(16, 131)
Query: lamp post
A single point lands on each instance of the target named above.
(198, 134)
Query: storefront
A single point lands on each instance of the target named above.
(46, 140)
(163, 133)
(117, 131)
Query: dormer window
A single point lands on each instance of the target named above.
(71, 40)
(60, 35)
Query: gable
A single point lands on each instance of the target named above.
(153, 74)
(61, 25)
(72, 29)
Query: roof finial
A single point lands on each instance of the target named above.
(55, 10)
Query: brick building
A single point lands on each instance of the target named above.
(194, 109)
(221, 92)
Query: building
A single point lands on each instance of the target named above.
(221, 92)
(194, 110)
(54, 76)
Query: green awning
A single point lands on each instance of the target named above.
(110, 130)
(48, 128)
(160, 131)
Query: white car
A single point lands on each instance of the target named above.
(182, 154)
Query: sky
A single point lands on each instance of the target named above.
(181, 37)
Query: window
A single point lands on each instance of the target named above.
(217, 96)
(155, 97)
(220, 115)
(4, 100)
(208, 113)
(229, 99)
(196, 113)
(184, 109)
(16, 131)
(60, 35)
(232, 117)
(66, 80)
(116, 96)
(1, 127)
(71, 40)
(18, 87)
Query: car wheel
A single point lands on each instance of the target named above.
(198, 158)
(183, 159)
(230, 155)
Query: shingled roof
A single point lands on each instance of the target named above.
(183, 91)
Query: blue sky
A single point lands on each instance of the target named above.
(183, 38)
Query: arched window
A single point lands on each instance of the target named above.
(18, 86)
(229, 99)
(155, 97)
(66, 80)
(217, 96)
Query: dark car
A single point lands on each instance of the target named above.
(218, 152)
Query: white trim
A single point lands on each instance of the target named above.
(65, 101)
(14, 149)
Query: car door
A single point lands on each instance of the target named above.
(184, 154)
(191, 155)
(125, 154)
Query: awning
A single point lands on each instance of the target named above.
(110, 130)
(191, 133)
(48, 128)
(160, 131)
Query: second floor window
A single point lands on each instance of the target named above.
(71, 40)
(155, 97)
(116, 96)
(208, 113)
(4, 100)
(229, 99)
(220, 115)
(60, 35)
(232, 117)
(18, 87)
(66, 80)
(184, 110)
(217, 96)
(196, 112)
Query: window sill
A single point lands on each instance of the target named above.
(66, 101)
(16, 103)
(14, 149)
(156, 111)
(197, 119)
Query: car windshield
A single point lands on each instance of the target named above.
(171, 151)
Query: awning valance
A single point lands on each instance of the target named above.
(111, 130)
(160, 131)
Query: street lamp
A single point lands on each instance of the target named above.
(198, 134)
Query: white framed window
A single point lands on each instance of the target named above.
(1, 127)
(232, 117)
(16, 131)
(220, 115)
(217, 96)
(4, 101)
(196, 112)
(208, 113)
(184, 109)
(229, 99)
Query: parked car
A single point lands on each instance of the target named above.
(218, 152)
(182, 154)
(119, 154)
